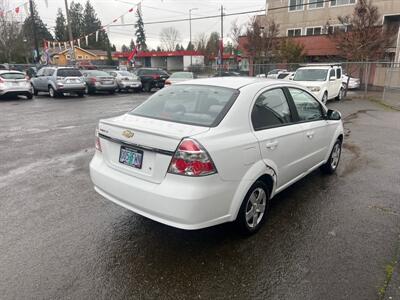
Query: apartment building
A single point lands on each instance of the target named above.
(310, 20)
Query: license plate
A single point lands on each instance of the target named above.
(131, 157)
(107, 82)
(72, 81)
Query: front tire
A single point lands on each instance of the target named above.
(325, 98)
(333, 161)
(254, 208)
(340, 95)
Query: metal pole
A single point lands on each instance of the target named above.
(71, 38)
(190, 33)
(36, 42)
(222, 37)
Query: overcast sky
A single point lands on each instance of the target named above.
(156, 10)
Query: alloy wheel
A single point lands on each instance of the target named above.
(335, 156)
(255, 207)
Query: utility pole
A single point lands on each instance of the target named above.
(190, 33)
(221, 45)
(71, 38)
(37, 58)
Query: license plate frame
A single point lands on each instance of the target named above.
(131, 157)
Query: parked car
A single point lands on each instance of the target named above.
(214, 150)
(285, 75)
(179, 77)
(273, 74)
(151, 78)
(324, 81)
(126, 81)
(58, 81)
(14, 83)
(99, 81)
(354, 83)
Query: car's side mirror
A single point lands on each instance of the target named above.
(332, 78)
(333, 115)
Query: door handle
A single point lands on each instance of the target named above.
(310, 134)
(272, 145)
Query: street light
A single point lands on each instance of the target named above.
(190, 32)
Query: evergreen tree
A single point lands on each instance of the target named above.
(190, 46)
(41, 29)
(132, 45)
(124, 48)
(159, 49)
(76, 19)
(177, 47)
(140, 34)
(61, 27)
(113, 48)
(90, 24)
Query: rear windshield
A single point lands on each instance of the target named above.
(182, 75)
(125, 73)
(69, 73)
(12, 76)
(97, 73)
(310, 75)
(189, 104)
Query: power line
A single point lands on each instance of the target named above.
(226, 15)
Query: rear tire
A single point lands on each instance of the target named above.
(325, 98)
(29, 96)
(52, 92)
(333, 161)
(254, 208)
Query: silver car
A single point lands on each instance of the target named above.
(58, 81)
(99, 81)
(179, 77)
(14, 83)
(126, 81)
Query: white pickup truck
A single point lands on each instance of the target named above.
(324, 81)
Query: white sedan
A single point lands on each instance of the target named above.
(215, 150)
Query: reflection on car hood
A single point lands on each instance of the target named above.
(310, 83)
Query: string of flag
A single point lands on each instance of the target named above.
(85, 38)
(18, 9)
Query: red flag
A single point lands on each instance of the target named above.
(131, 10)
(132, 54)
(17, 9)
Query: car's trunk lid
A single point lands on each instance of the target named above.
(155, 139)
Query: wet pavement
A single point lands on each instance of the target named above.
(327, 237)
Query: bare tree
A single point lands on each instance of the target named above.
(169, 38)
(11, 40)
(261, 39)
(365, 38)
(236, 32)
(200, 42)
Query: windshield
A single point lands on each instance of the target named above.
(189, 104)
(310, 75)
(125, 73)
(182, 75)
(69, 73)
(12, 76)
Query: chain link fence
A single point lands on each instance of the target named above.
(391, 92)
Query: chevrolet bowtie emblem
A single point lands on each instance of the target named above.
(128, 134)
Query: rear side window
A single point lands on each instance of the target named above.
(189, 104)
(332, 73)
(49, 72)
(69, 73)
(271, 109)
(339, 73)
(12, 76)
(307, 107)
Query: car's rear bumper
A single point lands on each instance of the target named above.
(71, 88)
(178, 201)
(105, 87)
(130, 85)
(15, 92)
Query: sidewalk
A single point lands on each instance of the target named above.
(389, 98)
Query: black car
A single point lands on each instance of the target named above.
(227, 74)
(151, 78)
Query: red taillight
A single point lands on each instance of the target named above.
(191, 159)
(97, 143)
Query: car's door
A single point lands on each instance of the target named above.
(316, 135)
(279, 137)
(48, 78)
(332, 86)
(38, 80)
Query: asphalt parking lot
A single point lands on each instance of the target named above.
(328, 237)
